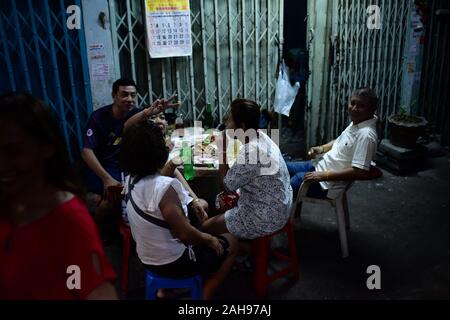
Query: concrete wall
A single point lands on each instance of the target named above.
(99, 51)
(412, 68)
(320, 17)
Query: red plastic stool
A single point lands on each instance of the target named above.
(115, 192)
(261, 252)
(125, 231)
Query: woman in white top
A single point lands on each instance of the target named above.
(200, 206)
(166, 242)
(259, 175)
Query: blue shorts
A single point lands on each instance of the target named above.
(206, 262)
(95, 185)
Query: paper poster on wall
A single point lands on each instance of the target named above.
(100, 71)
(168, 28)
(97, 52)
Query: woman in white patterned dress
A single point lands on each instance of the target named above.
(259, 175)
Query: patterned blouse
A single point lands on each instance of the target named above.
(261, 177)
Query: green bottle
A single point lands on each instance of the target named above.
(208, 118)
(188, 164)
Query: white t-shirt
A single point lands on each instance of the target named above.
(355, 147)
(155, 245)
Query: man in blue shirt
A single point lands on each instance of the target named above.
(102, 140)
(103, 135)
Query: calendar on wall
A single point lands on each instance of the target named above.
(168, 28)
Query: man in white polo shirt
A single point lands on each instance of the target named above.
(346, 158)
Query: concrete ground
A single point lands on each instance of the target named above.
(399, 223)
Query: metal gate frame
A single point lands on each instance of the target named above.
(38, 54)
(236, 49)
(434, 101)
(353, 56)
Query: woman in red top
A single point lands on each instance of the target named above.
(49, 246)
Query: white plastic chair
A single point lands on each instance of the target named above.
(339, 202)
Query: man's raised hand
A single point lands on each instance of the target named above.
(160, 105)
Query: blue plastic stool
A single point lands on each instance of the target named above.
(155, 282)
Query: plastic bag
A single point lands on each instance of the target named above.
(225, 201)
(284, 93)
